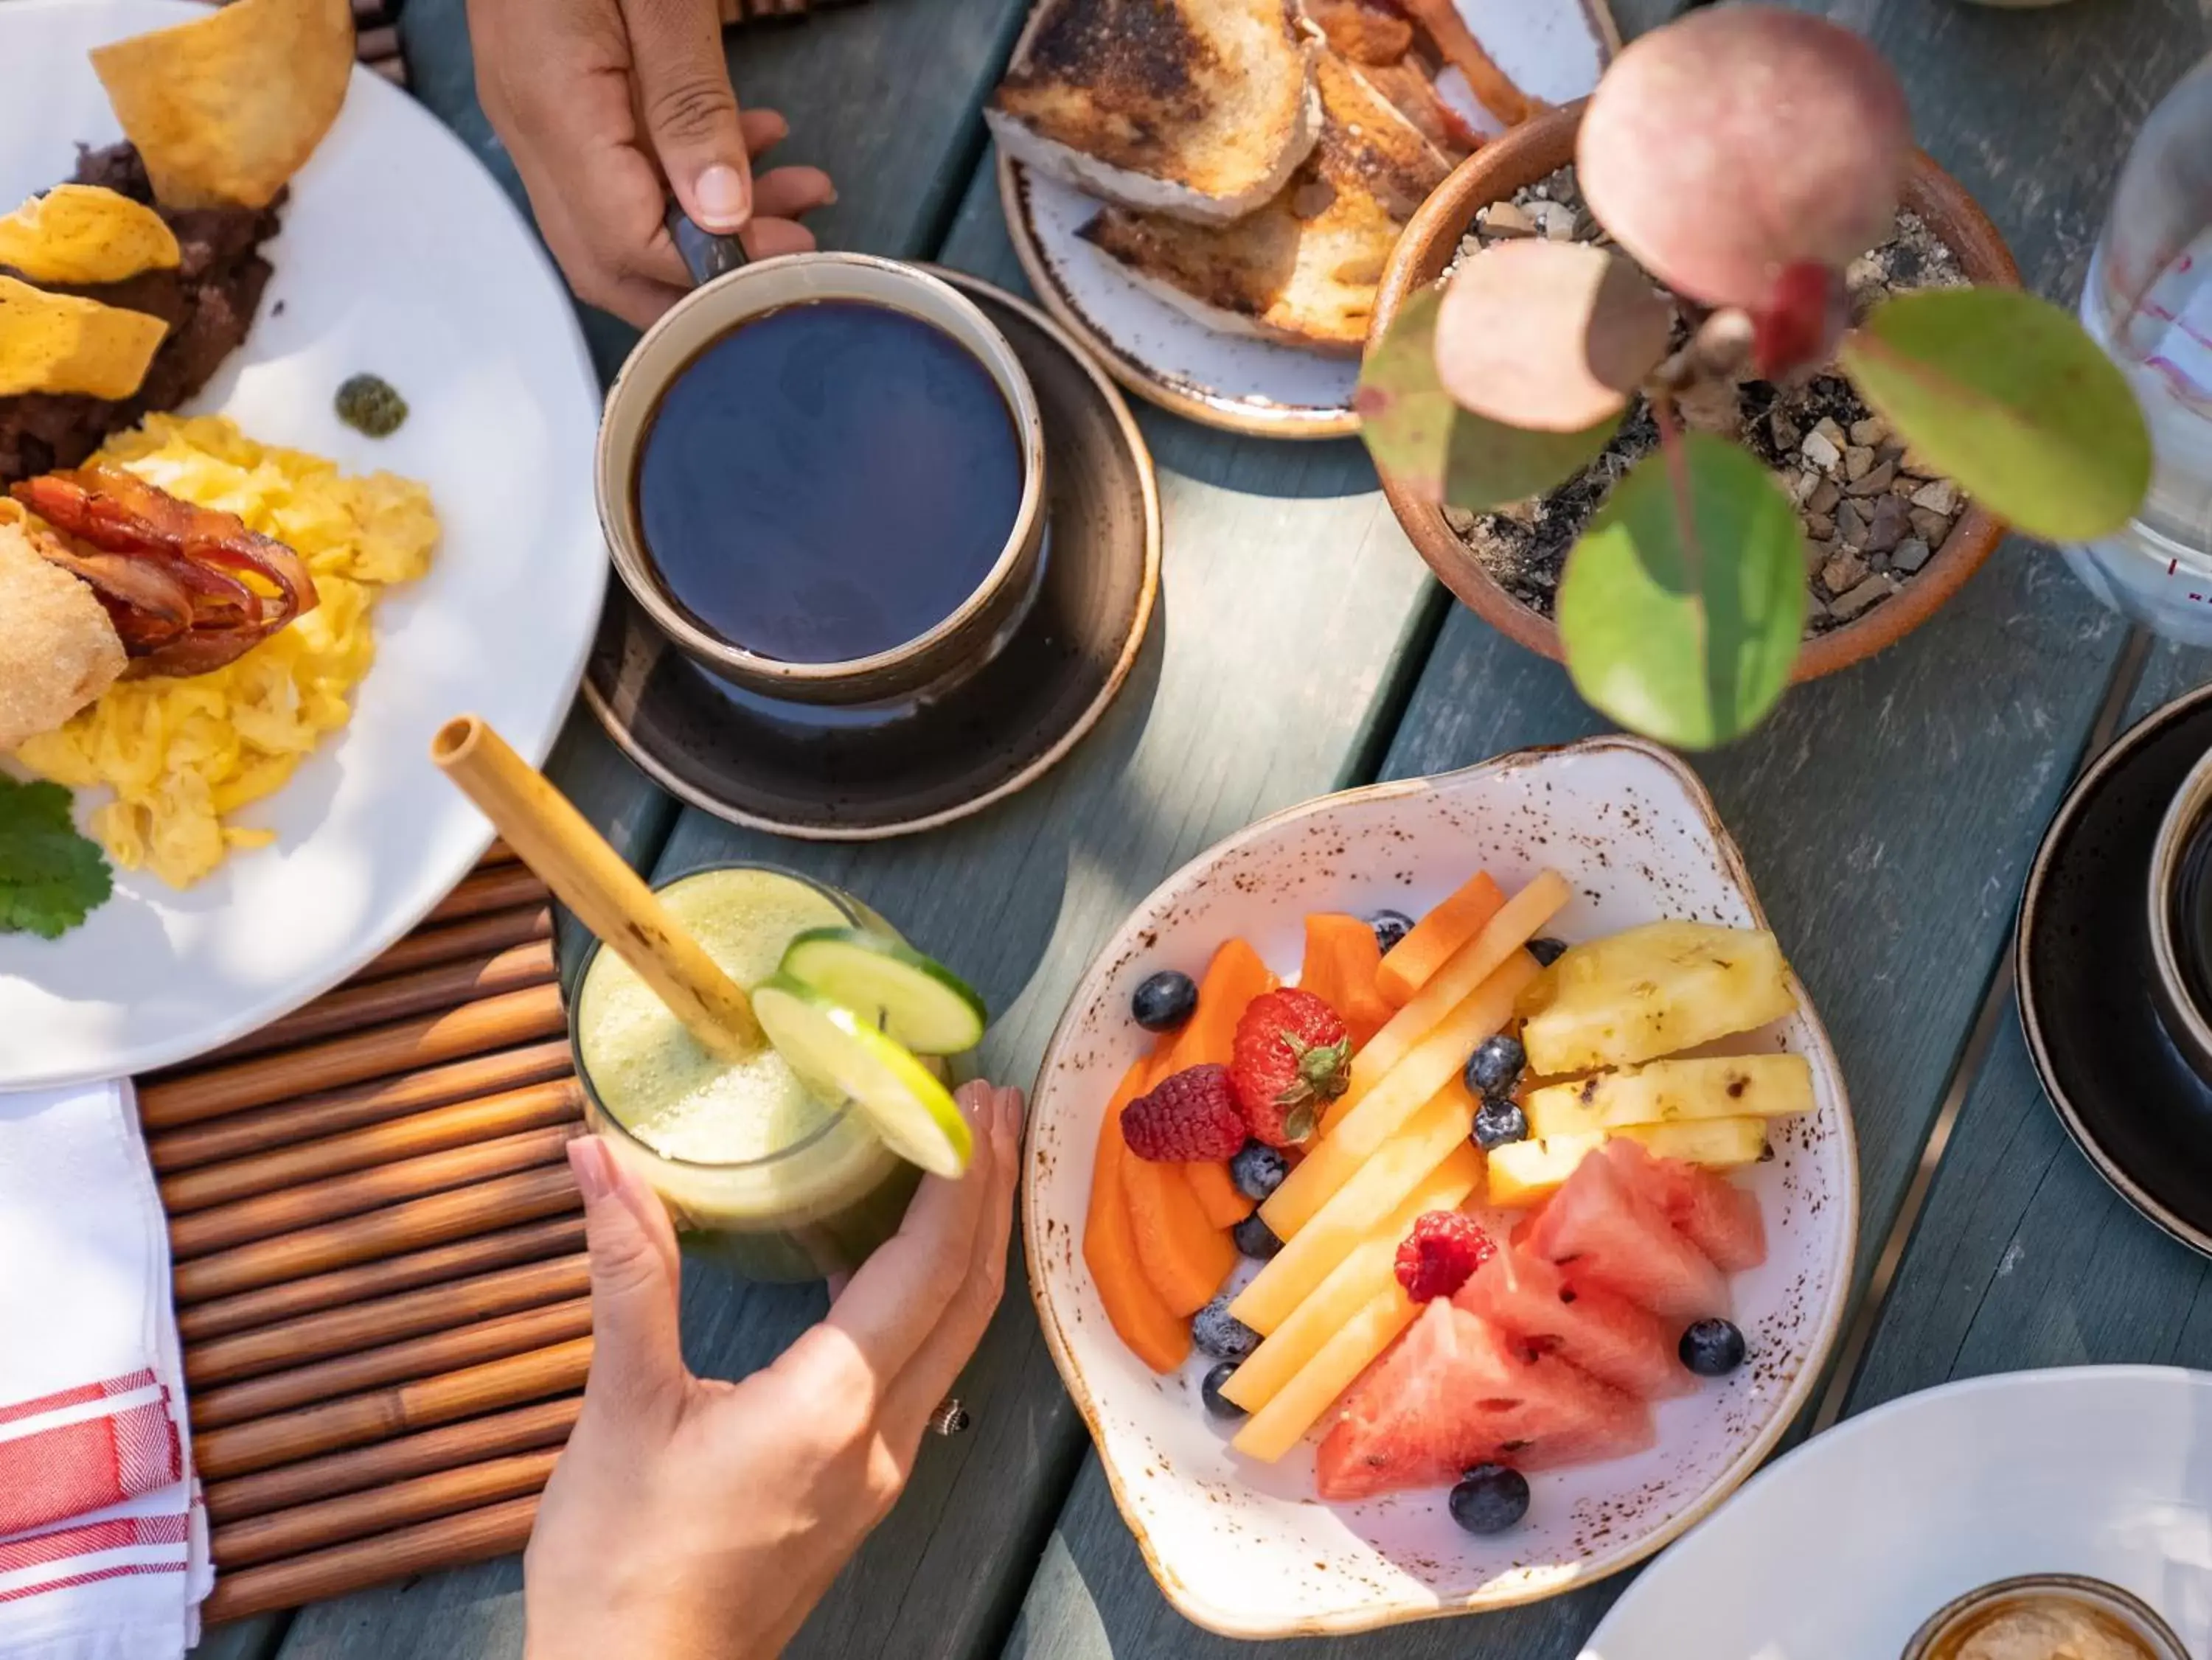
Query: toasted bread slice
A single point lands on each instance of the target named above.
(1304, 270)
(1200, 109)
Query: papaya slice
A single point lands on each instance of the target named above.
(1225, 1204)
(1185, 1257)
(1410, 964)
(1154, 1333)
(1233, 979)
(1493, 944)
(1340, 963)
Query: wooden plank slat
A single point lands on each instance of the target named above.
(521, 1429)
(496, 1023)
(268, 1215)
(428, 948)
(470, 1536)
(493, 1339)
(424, 1404)
(359, 1326)
(463, 1125)
(255, 1309)
(419, 1223)
(483, 1077)
(503, 887)
(2024, 1257)
(288, 1533)
(423, 991)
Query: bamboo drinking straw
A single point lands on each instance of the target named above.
(592, 880)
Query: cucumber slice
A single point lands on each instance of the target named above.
(839, 1054)
(918, 1001)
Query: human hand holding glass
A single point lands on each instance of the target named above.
(691, 1517)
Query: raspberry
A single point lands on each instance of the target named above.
(1188, 1117)
(1441, 1253)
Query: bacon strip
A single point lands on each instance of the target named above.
(189, 589)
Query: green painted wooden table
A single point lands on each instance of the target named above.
(1888, 814)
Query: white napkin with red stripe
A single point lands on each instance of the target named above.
(103, 1536)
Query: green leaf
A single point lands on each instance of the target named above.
(50, 877)
(1437, 450)
(2007, 396)
(1684, 602)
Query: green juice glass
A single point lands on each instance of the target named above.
(762, 1177)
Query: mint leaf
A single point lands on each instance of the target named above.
(50, 877)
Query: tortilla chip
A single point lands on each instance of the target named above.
(225, 108)
(56, 342)
(82, 233)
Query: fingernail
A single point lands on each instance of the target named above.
(722, 196)
(830, 200)
(588, 1160)
(1018, 1109)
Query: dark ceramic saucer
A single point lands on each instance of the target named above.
(2122, 1090)
(858, 773)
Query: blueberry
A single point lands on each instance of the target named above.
(1209, 1392)
(1490, 1499)
(1548, 950)
(1497, 1122)
(1166, 1001)
(1258, 1170)
(1712, 1348)
(1256, 1239)
(1496, 1066)
(1220, 1333)
(1390, 927)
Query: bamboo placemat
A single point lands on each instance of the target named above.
(380, 1276)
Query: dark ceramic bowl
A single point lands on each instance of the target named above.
(2089, 984)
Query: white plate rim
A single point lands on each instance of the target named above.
(1185, 1599)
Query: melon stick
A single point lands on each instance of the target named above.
(1436, 1132)
(1462, 974)
(1435, 1061)
(1274, 1429)
(1353, 1284)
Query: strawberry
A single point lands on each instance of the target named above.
(1441, 1254)
(1189, 1116)
(1292, 1055)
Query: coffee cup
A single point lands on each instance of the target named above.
(977, 617)
(2179, 895)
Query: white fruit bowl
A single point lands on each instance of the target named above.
(1247, 1549)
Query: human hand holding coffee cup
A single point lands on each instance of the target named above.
(821, 475)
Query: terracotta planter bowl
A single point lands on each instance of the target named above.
(1540, 147)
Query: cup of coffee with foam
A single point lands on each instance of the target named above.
(821, 475)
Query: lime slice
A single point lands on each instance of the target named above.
(842, 1057)
(910, 997)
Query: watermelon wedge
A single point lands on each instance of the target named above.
(1617, 1237)
(1706, 1209)
(1544, 1310)
(1454, 1391)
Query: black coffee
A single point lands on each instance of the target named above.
(829, 480)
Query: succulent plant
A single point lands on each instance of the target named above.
(1742, 156)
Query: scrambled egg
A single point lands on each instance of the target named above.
(183, 755)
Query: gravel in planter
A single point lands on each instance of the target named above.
(1873, 512)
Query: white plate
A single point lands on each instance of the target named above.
(1841, 1549)
(399, 255)
(1554, 50)
(1247, 1549)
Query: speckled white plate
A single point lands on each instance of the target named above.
(1554, 50)
(1247, 1549)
